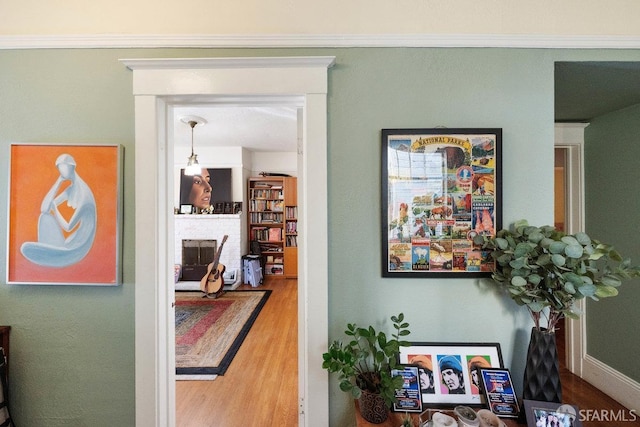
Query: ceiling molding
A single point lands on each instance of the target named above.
(534, 41)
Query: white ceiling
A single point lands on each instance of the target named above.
(256, 128)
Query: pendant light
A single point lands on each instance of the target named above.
(193, 167)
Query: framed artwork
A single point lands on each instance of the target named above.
(206, 189)
(440, 187)
(551, 414)
(448, 373)
(409, 397)
(65, 214)
(498, 390)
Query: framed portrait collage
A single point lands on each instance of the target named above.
(440, 187)
(449, 373)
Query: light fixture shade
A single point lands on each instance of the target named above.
(193, 167)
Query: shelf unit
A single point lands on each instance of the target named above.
(291, 227)
(273, 222)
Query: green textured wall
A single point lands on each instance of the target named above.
(73, 347)
(612, 150)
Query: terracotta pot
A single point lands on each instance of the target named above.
(542, 372)
(373, 408)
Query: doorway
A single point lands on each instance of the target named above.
(245, 138)
(157, 85)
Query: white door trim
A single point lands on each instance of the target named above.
(615, 384)
(157, 85)
(570, 136)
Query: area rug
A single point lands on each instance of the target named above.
(209, 332)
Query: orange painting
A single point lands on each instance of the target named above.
(64, 215)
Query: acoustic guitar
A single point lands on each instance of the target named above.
(212, 284)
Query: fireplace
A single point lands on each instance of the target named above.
(197, 254)
(197, 232)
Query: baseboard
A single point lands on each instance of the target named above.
(611, 382)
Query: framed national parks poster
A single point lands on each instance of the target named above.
(440, 188)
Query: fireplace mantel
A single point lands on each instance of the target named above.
(212, 226)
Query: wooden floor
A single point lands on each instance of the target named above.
(260, 388)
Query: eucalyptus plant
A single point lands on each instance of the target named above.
(366, 361)
(547, 270)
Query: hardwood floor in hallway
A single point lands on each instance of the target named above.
(260, 388)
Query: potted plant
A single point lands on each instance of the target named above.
(547, 271)
(364, 366)
(407, 420)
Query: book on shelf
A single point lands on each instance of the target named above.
(275, 234)
(292, 227)
(292, 212)
(267, 247)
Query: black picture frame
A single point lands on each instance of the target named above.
(439, 188)
(463, 359)
(535, 410)
(499, 393)
(409, 397)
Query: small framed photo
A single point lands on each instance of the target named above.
(448, 373)
(409, 397)
(186, 209)
(228, 207)
(550, 413)
(218, 207)
(499, 393)
(237, 207)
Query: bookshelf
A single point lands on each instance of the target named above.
(273, 222)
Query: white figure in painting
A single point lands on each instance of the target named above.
(53, 249)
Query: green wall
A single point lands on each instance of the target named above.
(73, 347)
(612, 211)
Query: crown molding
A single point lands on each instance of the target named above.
(106, 41)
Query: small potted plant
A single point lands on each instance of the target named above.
(407, 420)
(547, 271)
(364, 366)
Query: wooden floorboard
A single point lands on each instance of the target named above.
(260, 388)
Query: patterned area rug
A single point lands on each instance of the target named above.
(209, 331)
